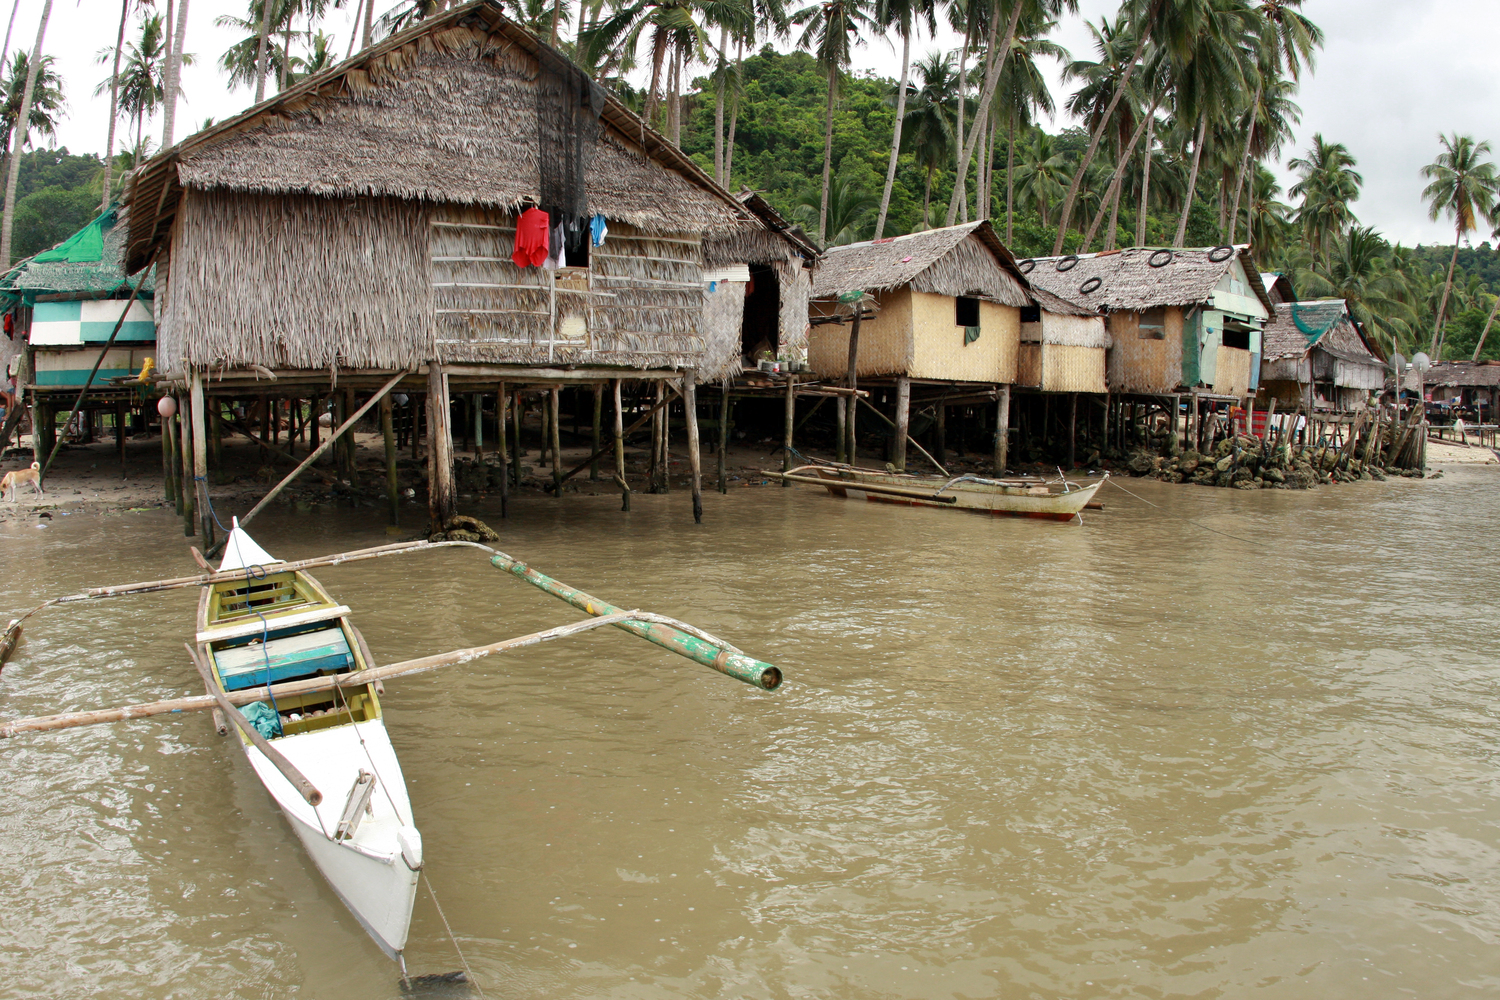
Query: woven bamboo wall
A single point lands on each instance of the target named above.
(1288, 394)
(796, 289)
(1232, 371)
(938, 348)
(1144, 365)
(638, 303)
(723, 318)
(1072, 369)
(885, 342)
(1029, 363)
(296, 282)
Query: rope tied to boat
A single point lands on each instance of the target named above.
(451, 936)
(1116, 484)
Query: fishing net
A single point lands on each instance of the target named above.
(568, 104)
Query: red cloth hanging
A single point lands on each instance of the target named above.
(531, 238)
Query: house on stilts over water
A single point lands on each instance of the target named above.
(944, 318)
(458, 211)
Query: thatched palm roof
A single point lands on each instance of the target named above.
(93, 270)
(1128, 281)
(1298, 327)
(1462, 373)
(968, 259)
(444, 111)
(775, 239)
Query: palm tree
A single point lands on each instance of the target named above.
(929, 117)
(22, 123)
(830, 29)
(47, 102)
(139, 84)
(848, 212)
(1041, 175)
(1267, 126)
(114, 101)
(172, 73)
(1268, 222)
(320, 56)
(901, 16)
(1465, 186)
(244, 62)
(1358, 270)
(1022, 92)
(1328, 184)
(1101, 81)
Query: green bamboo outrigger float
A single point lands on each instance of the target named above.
(670, 634)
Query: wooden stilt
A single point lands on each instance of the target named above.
(478, 404)
(620, 448)
(666, 441)
(167, 465)
(1109, 401)
(120, 435)
(1072, 430)
(724, 435)
(200, 459)
(216, 437)
(441, 494)
(790, 408)
(351, 446)
(597, 432)
(903, 422)
(314, 429)
(1002, 431)
(265, 424)
(940, 436)
(554, 402)
(841, 435)
(853, 383)
(654, 465)
(518, 412)
(392, 483)
(695, 458)
(502, 401)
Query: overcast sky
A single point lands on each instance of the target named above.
(1393, 73)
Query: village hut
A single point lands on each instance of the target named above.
(1278, 287)
(1063, 346)
(77, 331)
(1179, 320)
(1316, 356)
(1472, 386)
(362, 224)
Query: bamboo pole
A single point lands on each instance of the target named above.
(695, 459)
(598, 430)
(790, 423)
(724, 659)
(1002, 431)
(891, 423)
(185, 458)
(518, 411)
(620, 449)
(502, 400)
(392, 481)
(554, 402)
(916, 493)
(169, 465)
(304, 787)
(277, 452)
(853, 379)
(575, 470)
(724, 435)
(903, 422)
(221, 724)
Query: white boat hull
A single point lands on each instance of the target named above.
(1000, 501)
(375, 872)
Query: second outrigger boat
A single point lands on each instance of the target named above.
(1058, 500)
(268, 627)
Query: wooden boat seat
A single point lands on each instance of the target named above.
(289, 656)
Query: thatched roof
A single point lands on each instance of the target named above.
(768, 240)
(444, 111)
(1298, 327)
(1128, 281)
(1463, 373)
(958, 260)
(87, 265)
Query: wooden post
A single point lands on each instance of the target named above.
(724, 435)
(392, 484)
(200, 459)
(314, 414)
(620, 449)
(517, 411)
(502, 400)
(1002, 431)
(690, 408)
(841, 435)
(903, 421)
(790, 426)
(216, 438)
(351, 446)
(120, 434)
(1176, 421)
(169, 467)
(477, 401)
(597, 432)
(1072, 430)
(941, 451)
(441, 495)
(554, 403)
(853, 380)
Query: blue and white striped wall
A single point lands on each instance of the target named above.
(63, 324)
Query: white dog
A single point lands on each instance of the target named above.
(14, 479)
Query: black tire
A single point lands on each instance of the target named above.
(1092, 285)
(1026, 266)
(1220, 254)
(1068, 263)
(1160, 258)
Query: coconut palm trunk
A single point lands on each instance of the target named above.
(1098, 135)
(890, 168)
(658, 56)
(1192, 184)
(927, 200)
(1116, 180)
(1437, 328)
(1486, 331)
(833, 79)
(996, 64)
(959, 172)
(19, 134)
(260, 50)
(369, 23)
(1140, 219)
(734, 117)
(719, 108)
(1010, 175)
(173, 76)
(114, 99)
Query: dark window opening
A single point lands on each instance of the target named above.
(576, 242)
(760, 333)
(1031, 314)
(966, 311)
(1236, 337)
(1153, 324)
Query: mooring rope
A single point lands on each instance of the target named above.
(451, 936)
(1116, 483)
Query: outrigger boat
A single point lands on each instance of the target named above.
(268, 627)
(1058, 500)
(281, 661)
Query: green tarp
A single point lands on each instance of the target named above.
(84, 247)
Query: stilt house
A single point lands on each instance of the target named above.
(1474, 386)
(364, 222)
(1317, 357)
(1179, 320)
(62, 307)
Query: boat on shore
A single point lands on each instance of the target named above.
(270, 627)
(1058, 500)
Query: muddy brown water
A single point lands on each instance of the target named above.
(1130, 759)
